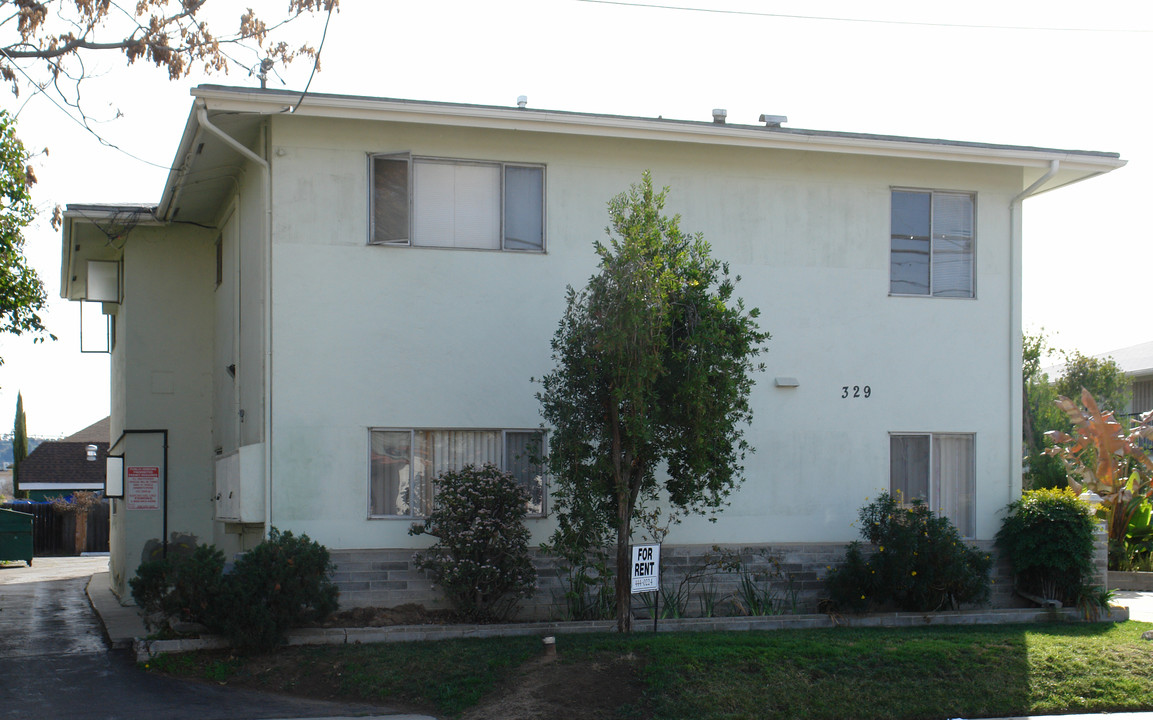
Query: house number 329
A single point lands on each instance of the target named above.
(856, 391)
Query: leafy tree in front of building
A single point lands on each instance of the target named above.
(1102, 377)
(654, 360)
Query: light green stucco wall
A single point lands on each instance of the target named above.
(367, 336)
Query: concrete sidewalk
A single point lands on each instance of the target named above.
(122, 623)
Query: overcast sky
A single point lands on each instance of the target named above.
(1052, 74)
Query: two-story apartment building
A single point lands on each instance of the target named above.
(332, 303)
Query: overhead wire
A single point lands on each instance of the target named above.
(916, 23)
(316, 60)
(77, 120)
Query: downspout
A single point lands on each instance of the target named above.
(202, 118)
(1015, 272)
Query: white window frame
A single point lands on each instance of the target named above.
(931, 292)
(413, 160)
(427, 492)
(935, 485)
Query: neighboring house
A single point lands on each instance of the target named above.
(60, 467)
(1136, 361)
(337, 299)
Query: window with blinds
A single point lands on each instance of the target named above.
(433, 202)
(931, 250)
(404, 465)
(938, 469)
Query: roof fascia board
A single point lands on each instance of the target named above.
(90, 215)
(354, 108)
(95, 213)
(179, 165)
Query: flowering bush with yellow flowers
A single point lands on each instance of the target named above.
(915, 560)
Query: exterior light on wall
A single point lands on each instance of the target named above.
(787, 382)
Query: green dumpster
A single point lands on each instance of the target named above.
(15, 536)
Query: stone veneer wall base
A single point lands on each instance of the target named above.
(796, 571)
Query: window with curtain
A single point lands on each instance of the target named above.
(939, 469)
(931, 249)
(404, 464)
(433, 202)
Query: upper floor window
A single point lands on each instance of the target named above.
(932, 244)
(433, 202)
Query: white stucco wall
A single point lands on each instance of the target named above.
(165, 338)
(367, 336)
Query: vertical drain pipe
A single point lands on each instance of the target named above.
(1015, 278)
(202, 118)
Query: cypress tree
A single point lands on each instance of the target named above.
(19, 442)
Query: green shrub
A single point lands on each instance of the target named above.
(283, 582)
(480, 559)
(150, 585)
(919, 563)
(182, 587)
(1048, 537)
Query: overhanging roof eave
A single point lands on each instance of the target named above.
(269, 102)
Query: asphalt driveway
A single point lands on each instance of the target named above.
(54, 662)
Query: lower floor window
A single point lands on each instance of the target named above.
(405, 463)
(936, 468)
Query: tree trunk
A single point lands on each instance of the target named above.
(623, 596)
(80, 538)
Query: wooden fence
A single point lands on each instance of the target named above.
(54, 533)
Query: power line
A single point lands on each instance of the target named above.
(78, 121)
(315, 60)
(717, 11)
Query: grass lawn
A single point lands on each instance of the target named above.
(932, 672)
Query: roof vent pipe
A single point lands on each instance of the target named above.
(522, 101)
(773, 121)
(719, 115)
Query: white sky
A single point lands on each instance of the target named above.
(1087, 251)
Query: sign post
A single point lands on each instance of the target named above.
(646, 574)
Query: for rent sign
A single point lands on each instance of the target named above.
(646, 568)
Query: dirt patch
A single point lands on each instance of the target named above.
(545, 687)
(548, 687)
(608, 688)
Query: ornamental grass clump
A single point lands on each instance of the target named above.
(919, 563)
(480, 559)
(1048, 537)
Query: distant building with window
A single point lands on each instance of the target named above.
(1136, 361)
(329, 307)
